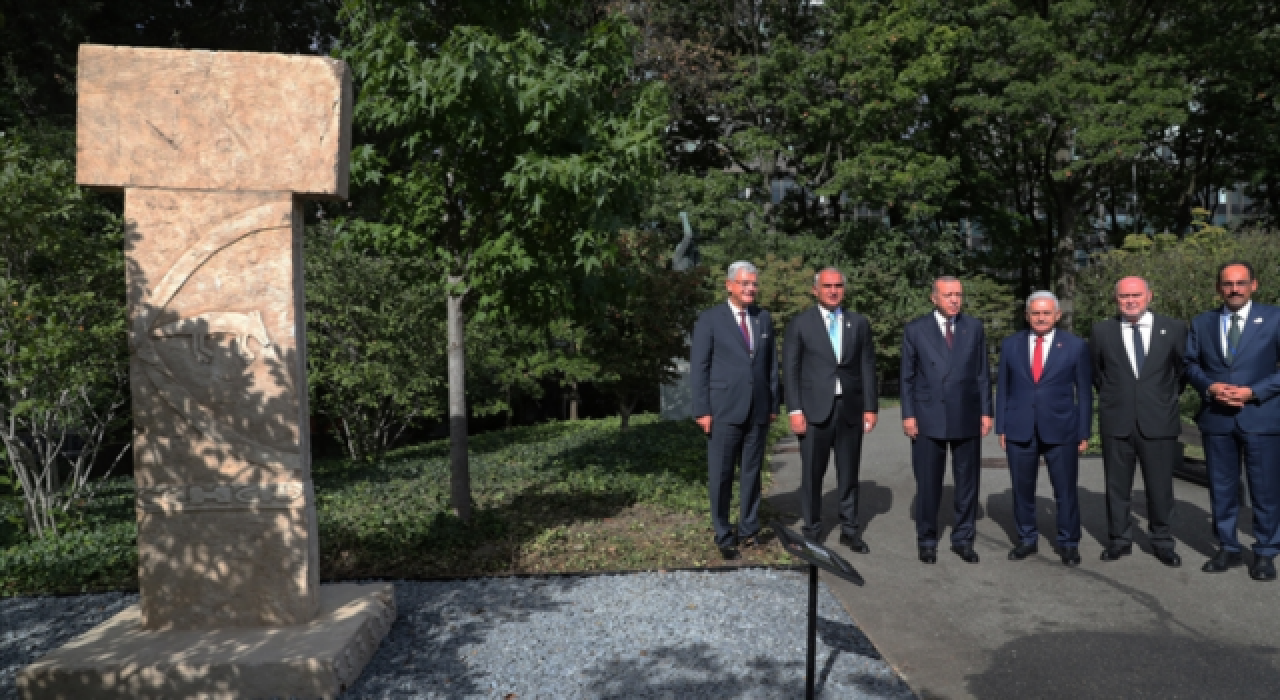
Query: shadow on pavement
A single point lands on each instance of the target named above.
(1159, 664)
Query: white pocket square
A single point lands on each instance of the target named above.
(1257, 320)
(1161, 331)
(764, 335)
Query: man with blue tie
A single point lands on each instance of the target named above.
(1044, 408)
(829, 366)
(1232, 356)
(734, 373)
(946, 403)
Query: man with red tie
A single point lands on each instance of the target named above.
(1044, 408)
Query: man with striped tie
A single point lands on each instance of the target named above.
(734, 373)
(1232, 355)
(1044, 408)
(829, 371)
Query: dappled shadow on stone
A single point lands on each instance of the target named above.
(1156, 664)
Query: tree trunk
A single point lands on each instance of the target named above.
(1066, 254)
(459, 468)
(573, 401)
(625, 406)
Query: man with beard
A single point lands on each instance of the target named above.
(1232, 355)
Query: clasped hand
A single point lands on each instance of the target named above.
(1230, 395)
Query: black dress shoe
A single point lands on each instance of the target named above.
(1116, 551)
(1070, 556)
(1263, 569)
(1222, 561)
(929, 555)
(1023, 551)
(749, 541)
(854, 543)
(729, 553)
(1168, 557)
(965, 552)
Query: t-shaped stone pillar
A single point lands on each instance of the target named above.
(215, 153)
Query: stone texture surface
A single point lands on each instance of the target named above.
(212, 120)
(226, 517)
(319, 659)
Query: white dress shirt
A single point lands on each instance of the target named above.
(942, 323)
(839, 347)
(826, 326)
(1145, 324)
(1044, 349)
(1225, 324)
(750, 327)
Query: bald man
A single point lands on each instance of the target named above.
(1139, 372)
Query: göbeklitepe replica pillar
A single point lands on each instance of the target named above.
(215, 153)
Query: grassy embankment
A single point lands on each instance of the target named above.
(557, 497)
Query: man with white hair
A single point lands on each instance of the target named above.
(1044, 408)
(734, 372)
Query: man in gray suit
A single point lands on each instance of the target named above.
(830, 369)
(734, 367)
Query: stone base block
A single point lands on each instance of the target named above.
(320, 659)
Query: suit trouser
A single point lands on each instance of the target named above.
(929, 462)
(843, 433)
(1262, 465)
(1064, 471)
(1157, 457)
(728, 445)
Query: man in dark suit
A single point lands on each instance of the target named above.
(1138, 369)
(734, 368)
(1044, 407)
(946, 402)
(830, 370)
(1232, 356)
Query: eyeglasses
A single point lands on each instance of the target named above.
(1236, 284)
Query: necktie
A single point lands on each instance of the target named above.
(950, 333)
(746, 332)
(1233, 338)
(833, 331)
(1037, 359)
(1139, 352)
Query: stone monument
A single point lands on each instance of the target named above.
(215, 153)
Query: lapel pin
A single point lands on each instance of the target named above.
(1161, 331)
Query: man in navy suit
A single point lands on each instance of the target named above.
(734, 366)
(1232, 355)
(1044, 408)
(830, 366)
(946, 402)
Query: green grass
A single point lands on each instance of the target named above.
(564, 496)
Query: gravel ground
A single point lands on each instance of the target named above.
(657, 635)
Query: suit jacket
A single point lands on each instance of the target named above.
(811, 367)
(729, 382)
(1149, 401)
(1254, 366)
(1058, 408)
(947, 390)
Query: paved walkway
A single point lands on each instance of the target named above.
(1035, 629)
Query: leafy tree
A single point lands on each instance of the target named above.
(506, 151)
(1182, 272)
(373, 337)
(63, 375)
(646, 324)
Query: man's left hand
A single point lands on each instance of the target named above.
(1084, 445)
(772, 417)
(869, 421)
(1239, 394)
(987, 423)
